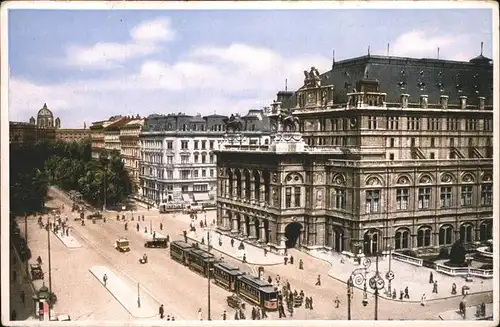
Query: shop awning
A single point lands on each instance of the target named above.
(186, 198)
(201, 197)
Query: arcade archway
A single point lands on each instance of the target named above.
(292, 233)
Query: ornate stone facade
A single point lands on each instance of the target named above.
(363, 175)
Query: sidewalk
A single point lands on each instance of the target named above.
(126, 294)
(405, 275)
(470, 313)
(254, 254)
(70, 241)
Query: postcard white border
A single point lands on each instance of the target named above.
(256, 5)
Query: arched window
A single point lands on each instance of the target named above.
(466, 231)
(485, 231)
(445, 235)
(424, 236)
(401, 239)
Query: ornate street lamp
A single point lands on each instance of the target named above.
(359, 278)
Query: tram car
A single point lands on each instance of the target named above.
(201, 261)
(179, 251)
(226, 275)
(257, 292)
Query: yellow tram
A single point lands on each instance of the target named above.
(257, 291)
(201, 261)
(226, 275)
(179, 251)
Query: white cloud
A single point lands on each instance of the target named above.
(146, 40)
(424, 44)
(227, 79)
(157, 30)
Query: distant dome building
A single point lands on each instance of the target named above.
(44, 118)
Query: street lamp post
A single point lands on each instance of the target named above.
(50, 267)
(389, 273)
(26, 236)
(209, 271)
(359, 278)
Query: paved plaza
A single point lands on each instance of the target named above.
(416, 278)
(69, 240)
(470, 313)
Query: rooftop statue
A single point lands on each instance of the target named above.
(312, 78)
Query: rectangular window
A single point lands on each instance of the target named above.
(184, 145)
(391, 156)
(185, 188)
(446, 197)
(486, 195)
(339, 199)
(184, 174)
(393, 123)
(196, 144)
(372, 122)
(211, 173)
(413, 123)
(203, 158)
(296, 195)
(170, 145)
(184, 159)
(170, 160)
(288, 197)
(211, 157)
(211, 145)
(424, 197)
(402, 196)
(372, 201)
(200, 188)
(466, 196)
(170, 174)
(195, 157)
(195, 173)
(433, 142)
(471, 125)
(452, 142)
(433, 124)
(203, 173)
(432, 155)
(203, 145)
(391, 143)
(487, 126)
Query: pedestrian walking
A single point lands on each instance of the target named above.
(224, 315)
(220, 241)
(435, 287)
(168, 238)
(161, 226)
(401, 294)
(154, 235)
(337, 302)
(254, 313)
(301, 264)
(310, 303)
(431, 278)
(244, 258)
(291, 259)
(22, 297)
(161, 311)
(286, 260)
(269, 280)
(232, 243)
(265, 252)
(39, 260)
(483, 309)
(202, 240)
(142, 217)
(105, 279)
(422, 300)
(200, 314)
(145, 230)
(263, 313)
(236, 315)
(318, 281)
(453, 289)
(407, 296)
(67, 231)
(137, 226)
(394, 296)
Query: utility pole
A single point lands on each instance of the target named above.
(349, 295)
(138, 297)
(50, 268)
(208, 242)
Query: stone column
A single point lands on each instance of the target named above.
(243, 187)
(253, 235)
(262, 234)
(262, 187)
(252, 188)
(234, 228)
(227, 222)
(235, 186)
(243, 226)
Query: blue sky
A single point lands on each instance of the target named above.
(88, 65)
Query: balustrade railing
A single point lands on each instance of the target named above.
(407, 259)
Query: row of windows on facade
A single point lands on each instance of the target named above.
(412, 123)
(373, 204)
(161, 187)
(445, 235)
(184, 174)
(198, 127)
(185, 158)
(471, 142)
(184, 144)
